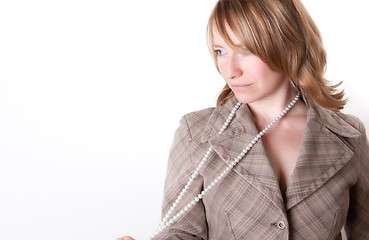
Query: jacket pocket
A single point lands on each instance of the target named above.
(230, 225)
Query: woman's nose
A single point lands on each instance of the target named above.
(233, 67)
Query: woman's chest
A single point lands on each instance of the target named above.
(282, 147)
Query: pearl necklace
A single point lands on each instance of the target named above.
(166, 222)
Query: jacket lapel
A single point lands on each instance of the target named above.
(323, 153)
(255, 167)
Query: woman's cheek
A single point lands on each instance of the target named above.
(222, 69)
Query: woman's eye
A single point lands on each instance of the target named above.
(219, 52)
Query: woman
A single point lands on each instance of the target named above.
(284, 164)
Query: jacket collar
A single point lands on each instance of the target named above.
(323, 153)
(330, 120)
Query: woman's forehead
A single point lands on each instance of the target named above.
(227, 36)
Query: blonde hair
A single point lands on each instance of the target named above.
(284, 36)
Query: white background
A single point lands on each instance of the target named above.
(91, 93)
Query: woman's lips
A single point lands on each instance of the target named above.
(240, 87)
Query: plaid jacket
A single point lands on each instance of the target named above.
(328, 189)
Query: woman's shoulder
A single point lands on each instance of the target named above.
(349, 125)
(199, 116)
(353, 121)
(196, 121)
(340, 123)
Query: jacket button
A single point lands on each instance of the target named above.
(281, 225)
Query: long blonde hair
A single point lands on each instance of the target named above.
(284, 36)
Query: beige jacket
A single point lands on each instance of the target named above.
(328, 189)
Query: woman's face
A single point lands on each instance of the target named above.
(246, 74)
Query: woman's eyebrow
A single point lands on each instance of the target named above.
(236, 45)
(217, 46)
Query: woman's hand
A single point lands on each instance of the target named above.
(125, 238)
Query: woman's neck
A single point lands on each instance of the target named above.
(267, 109)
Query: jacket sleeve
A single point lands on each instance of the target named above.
(357, 225)
(192, 225)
